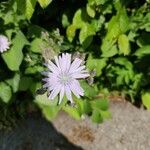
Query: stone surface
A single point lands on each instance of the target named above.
(129, 129)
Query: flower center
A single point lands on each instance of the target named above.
(65, 78)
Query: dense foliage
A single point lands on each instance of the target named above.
(114, 35)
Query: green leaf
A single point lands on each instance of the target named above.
(26, 7)
(71, 31)
(148, 1)
(78, 22)
(105, 114)
(90, 91)
(143, 51)
(86, 32)
(137, 81)
(143, 39)
(100, 110)
(9, 33)
(87, 41)
(44, 3)
(120, 79)
(146, 100)
(97, 23)
(29, 8)
(49, 112)
(25, 83)
(96, 117)
(48, 107)
(100, 2)
(146, 23)
(34, 69)
(14, 82)
(116, 26)
(72, 111)
(124, 45)
(100, 104)
(35, 86)
(84, 106)
(14, 56)
(36, 45)
(5, 92)
(8, 17)
(112, 51)
(43, 100)
(90, 10)
(65, 20)
(124, 62)
(35, 31)
(96, 64)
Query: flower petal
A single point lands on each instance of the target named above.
(76, 89)
(80, 75)
(68, 62)
(75, 64)
(68, 93)
(57, 62)
(65, 61)
(81, 68)
(54, 92)
(62, 92)
(52, 67)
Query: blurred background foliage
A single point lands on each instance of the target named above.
(114, 35)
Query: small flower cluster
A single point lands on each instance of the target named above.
(62, 77)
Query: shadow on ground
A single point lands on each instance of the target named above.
(35, 134)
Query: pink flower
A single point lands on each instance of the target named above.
(62, 77)
(4, 43)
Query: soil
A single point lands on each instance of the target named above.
(129, 129)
